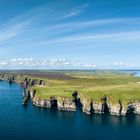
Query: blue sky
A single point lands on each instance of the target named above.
(59, 34)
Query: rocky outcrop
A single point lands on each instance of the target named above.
(22, 79)
(123, 111)
(97, 108)
(91, 107)
(66, 104)
(86, 109)
(115, 110)
(42, 103)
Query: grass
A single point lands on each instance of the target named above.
(47, 92)
(115, 86)
(125, 93)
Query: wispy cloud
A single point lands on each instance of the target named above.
(92, 23)
(75, 11)
(121, 36)
(12, 31)
(86, 28)
(21, 23)
(51, 33)
(16, 26)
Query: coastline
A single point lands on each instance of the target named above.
(96, 108)
(75, 102)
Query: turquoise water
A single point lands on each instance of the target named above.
(32, 123)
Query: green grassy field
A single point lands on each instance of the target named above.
(92, 86)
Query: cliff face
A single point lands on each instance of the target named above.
(92, 108)
(41, 103)
(22, 79)
(113, 109)
(66, 104)
(60, 104)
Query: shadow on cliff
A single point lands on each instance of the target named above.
(77, 100)
(91, 107)
(105, 108)
(130, 110)
(120, 107)
(53, 102)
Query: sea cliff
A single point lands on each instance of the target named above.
(101, 106)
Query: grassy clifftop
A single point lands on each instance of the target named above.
(89, 85)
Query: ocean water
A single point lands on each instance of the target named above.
(134, 72)
(137, 73)
(31, 123)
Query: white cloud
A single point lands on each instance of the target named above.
(59, 63)
(29, 63)
(89, 66)
(118, 63)
(122, 64)
(3, 63)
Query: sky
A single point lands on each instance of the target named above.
(69, 34)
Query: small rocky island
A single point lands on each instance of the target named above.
(99, 92)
